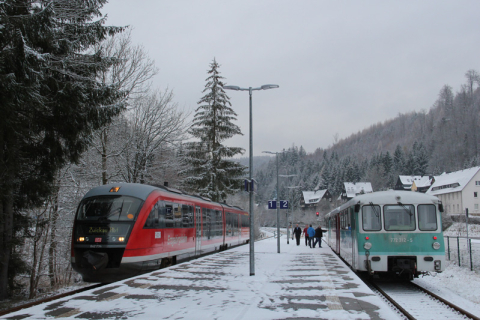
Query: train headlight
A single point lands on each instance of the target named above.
(121, 239)
(367, 245)
(81, 239)
(436, 245)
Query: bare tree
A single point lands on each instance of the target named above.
(156, 124)
(131, 73)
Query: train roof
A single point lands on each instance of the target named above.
(388, 197)
(137, 190)
(142, 191)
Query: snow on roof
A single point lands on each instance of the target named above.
(313, 196)
(453, 181)
(424, 181)
(352, 189)
(408, 180)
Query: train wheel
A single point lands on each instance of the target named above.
(167, 262)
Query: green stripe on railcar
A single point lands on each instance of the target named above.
(397, 243)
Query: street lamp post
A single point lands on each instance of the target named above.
(250, 175)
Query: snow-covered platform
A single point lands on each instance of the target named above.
(298, 283)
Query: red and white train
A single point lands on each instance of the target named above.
(126, 229)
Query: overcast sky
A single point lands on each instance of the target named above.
(341, 65)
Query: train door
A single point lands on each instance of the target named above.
(337, 235)
(198, 230)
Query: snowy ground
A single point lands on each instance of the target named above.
(457, 284)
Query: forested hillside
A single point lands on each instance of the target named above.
(446, 138)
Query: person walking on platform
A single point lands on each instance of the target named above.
(318, 237)
(305, 233)
(311, 235)
(297, 232)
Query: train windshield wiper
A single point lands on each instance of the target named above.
(377, 214)
(405, 208)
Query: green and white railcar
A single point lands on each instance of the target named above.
(393, 233)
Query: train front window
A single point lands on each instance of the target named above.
(427, 217)
(109, 208)
(399, 217)
(371, 218)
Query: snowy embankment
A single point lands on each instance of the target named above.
(457, 284)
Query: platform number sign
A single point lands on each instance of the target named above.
(272, 204)
(283, 204)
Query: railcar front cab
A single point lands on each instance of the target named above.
(402, 240)
(103, 224)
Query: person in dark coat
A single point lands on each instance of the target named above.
(305, 233)
(318, 237)
(297, 232)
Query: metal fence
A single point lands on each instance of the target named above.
(465, 252)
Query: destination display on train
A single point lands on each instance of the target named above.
(110, 230)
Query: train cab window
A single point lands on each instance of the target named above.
(427, 217)
(399, 217)
(109, 208)
(371, 218)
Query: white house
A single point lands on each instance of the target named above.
(414, 183)
(313, 198)
(458, 190)
(351, 189)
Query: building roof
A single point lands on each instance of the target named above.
(313, 196)
(352, 189)
(453, 181)
(422, 181)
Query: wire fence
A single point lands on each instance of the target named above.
(465, 252)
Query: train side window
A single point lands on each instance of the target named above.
(427, 217)
(150, 222)
(169, 222)
(218, 223)
(187, 216)
(371, 218)
(177, 215)
(399, 217)
(206, 223)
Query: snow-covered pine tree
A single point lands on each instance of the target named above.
(208, 171)
(50, 102)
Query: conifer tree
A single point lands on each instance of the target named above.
(208, 171)
(50, 102)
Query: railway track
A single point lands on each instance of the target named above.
(415, 302)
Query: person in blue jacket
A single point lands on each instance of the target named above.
(311, 235)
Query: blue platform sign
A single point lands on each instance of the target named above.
(283, 204)
(272, 204)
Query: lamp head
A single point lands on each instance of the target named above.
(236, 88)
(269, 86)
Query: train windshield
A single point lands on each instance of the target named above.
(399, 217)
(427, 217)
(109, 208)
(371, 218)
